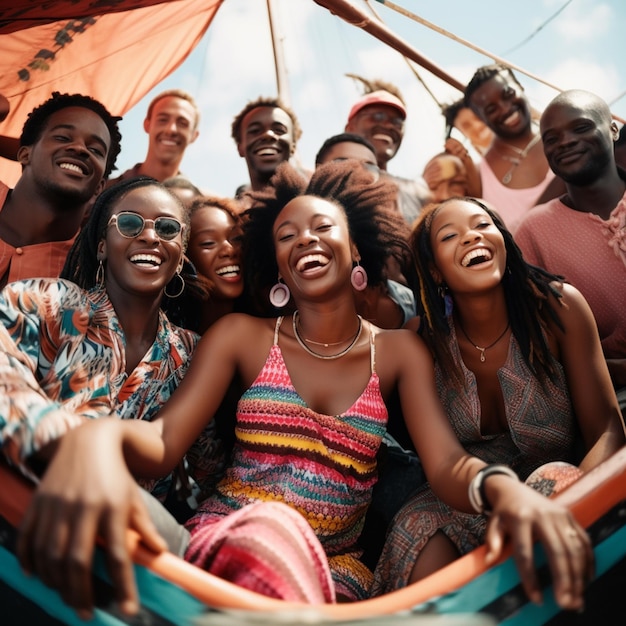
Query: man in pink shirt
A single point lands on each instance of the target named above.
(582, 234)
(68, 148)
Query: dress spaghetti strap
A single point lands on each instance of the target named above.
(279, 321)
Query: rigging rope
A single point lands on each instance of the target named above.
(464, 42)
(408, 61)
(525, 41)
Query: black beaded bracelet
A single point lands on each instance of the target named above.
(476, 491)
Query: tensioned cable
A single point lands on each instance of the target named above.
(464, 42)
(407, 61)
(539, 28)
(468, 44)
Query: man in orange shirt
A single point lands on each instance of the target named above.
(68, 148)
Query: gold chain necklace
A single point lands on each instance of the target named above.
(491, 345)
(522, 154)
(317, 355)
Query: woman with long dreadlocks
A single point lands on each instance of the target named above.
(519, 371)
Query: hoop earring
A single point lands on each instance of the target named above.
(279, 294)
(444, 294)
(100, 275)
(182, 287)
(358, 278)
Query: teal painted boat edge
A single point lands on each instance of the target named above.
(480, 592)
(163, 598)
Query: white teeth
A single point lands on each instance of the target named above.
(229, 270)
(146, 258)
(267, 152)
(383, 137)
(512, 118)
(72, 167)
(310, 259)
(477, 253)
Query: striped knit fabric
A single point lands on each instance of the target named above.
(323, 467)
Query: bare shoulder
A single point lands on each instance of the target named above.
(400, 345)
(237, 330)
(403, 359)
(573, 309)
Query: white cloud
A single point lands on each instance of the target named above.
(584, 21)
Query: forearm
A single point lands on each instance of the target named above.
(451, 482)
(617, 369)
(606, 445)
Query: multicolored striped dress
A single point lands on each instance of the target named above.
(323, 466)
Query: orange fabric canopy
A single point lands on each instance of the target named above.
(116, 57)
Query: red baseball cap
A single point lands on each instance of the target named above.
(377, 97)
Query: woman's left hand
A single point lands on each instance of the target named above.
(524, 516)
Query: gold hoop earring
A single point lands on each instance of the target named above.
(100, 275)
(180, 291)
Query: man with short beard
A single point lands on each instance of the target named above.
(581, 234)
(67, 149)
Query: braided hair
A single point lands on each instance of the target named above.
(481, 76)
(81, 264)
(527, 291)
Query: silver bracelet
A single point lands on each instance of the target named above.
(476, 489)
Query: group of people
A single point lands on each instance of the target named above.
(265, 355)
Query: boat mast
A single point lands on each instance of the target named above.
(282, 84)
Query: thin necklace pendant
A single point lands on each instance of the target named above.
(506, 179)
(325, 357)
(482, 350)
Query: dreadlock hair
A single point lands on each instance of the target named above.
(82, 263)
(527, 291)
(38, 117)
(450, 112)
(481, 76)
(275, 103)
(377, 229)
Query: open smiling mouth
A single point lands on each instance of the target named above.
(146, 260)
(72, 167)
(230, 271)
(476, 257)
(311, 261)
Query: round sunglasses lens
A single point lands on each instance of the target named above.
(167, 228)
(129, 224)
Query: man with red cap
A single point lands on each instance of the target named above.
(379, 117)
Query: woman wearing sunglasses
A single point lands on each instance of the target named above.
(95, 342)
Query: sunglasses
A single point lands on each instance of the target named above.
(131, 225)
(378, 117)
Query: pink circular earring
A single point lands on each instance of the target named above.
(358, 278)
(279, 294)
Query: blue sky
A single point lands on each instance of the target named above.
(581, 48)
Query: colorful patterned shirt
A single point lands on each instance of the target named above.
(62, 361)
